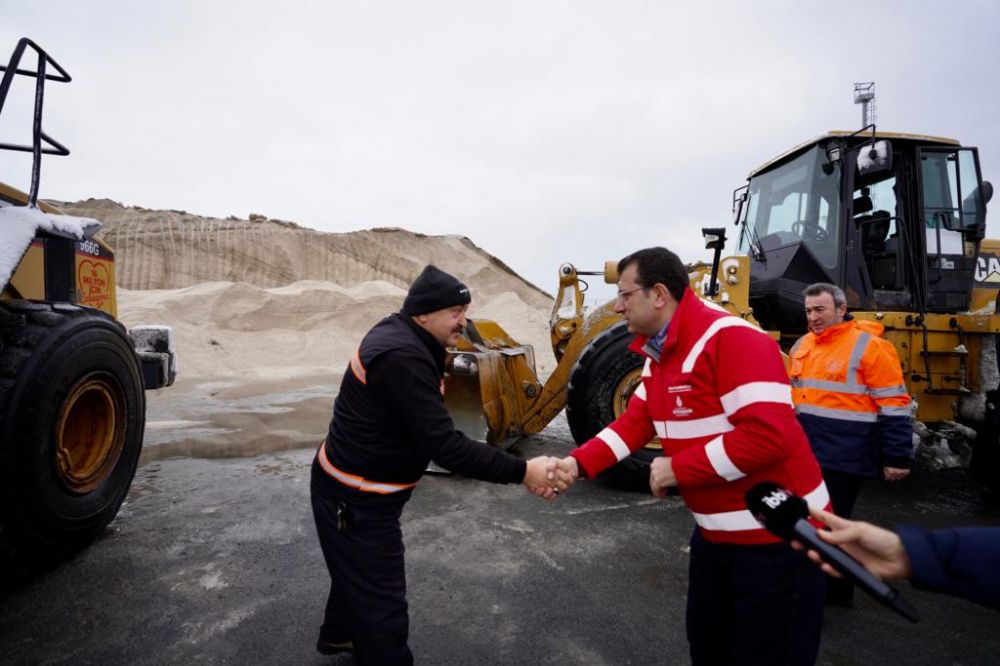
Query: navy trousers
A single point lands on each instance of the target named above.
(753, 605)
(364, 552)
(844, 489)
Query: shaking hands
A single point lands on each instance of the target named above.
(547, 476)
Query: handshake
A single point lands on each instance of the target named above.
(547, 476)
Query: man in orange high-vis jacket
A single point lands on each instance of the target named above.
(389, 420)
(715, 391)
(850, 397)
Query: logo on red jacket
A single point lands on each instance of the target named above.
(680, 409)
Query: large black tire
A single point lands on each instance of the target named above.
(984, 465)
(72, 414)
(602, 381)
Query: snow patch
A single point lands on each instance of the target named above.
(20, 224)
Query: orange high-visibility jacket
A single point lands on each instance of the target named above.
(849, 396)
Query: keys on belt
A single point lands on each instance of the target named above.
(343, 516)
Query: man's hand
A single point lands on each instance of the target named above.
(563, 473)
(879, 550)
(895, 473)
(538, 481)
(661, 476)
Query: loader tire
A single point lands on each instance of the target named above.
(72, 414)
(600, 385)
(984, 465)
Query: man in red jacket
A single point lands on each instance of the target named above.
(715, 391)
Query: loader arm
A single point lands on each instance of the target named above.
(554, 393)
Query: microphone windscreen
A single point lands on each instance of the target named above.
(776, 508)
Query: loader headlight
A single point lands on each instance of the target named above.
(464, 364)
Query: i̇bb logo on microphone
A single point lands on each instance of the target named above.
(775, 498)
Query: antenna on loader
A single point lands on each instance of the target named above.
(864, 94)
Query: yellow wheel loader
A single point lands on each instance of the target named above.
(897, 220)
(72, 378)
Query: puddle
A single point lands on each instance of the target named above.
(233, 419)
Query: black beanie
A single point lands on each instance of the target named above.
(434, 290)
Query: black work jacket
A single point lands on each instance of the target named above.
(389, 418)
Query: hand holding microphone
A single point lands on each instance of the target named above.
(786, 515)
(879, 550)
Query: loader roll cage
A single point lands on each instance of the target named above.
(38, 135)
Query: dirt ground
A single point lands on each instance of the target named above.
(214, 559)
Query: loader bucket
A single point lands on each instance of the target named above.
(490, 382)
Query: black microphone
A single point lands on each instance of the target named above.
(785, 514)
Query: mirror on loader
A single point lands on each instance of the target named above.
(875, 158)
(739, 204)
(715, 239)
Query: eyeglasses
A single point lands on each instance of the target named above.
(623, 295)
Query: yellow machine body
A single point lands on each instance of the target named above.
(64, 269)
(492, 388)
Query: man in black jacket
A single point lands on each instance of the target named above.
(389, 421)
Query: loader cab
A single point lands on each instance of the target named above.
(792, 228)
(894, 219)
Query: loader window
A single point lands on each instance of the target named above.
(796, 202)
(952, 199)
(875, 217)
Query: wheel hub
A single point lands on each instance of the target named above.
(89, 439)
(624, 390)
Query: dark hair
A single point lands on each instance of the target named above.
(658, 265)
(835, 292)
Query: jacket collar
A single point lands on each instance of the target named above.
(849, 324)
(689, 302)
(437, 351)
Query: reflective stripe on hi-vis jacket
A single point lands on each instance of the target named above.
(743, 520)
(358, 482)
(357, 368)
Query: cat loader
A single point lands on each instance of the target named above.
(72, 378)
(897, 220)
(492, 389)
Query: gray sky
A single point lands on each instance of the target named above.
(544, 131)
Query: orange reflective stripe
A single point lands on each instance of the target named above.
(357, 368)
(359, 482)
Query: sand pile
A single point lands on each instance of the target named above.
(266, 315)
(159, 249)
(268, 299)
(235, 329)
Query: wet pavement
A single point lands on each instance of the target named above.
(215, 560)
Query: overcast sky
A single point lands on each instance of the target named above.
(544, 131)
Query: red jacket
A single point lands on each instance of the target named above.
(719, 399)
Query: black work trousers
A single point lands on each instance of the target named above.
(753, 605)
(364, 553)
(844, 489)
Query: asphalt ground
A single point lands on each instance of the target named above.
(217, 561)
